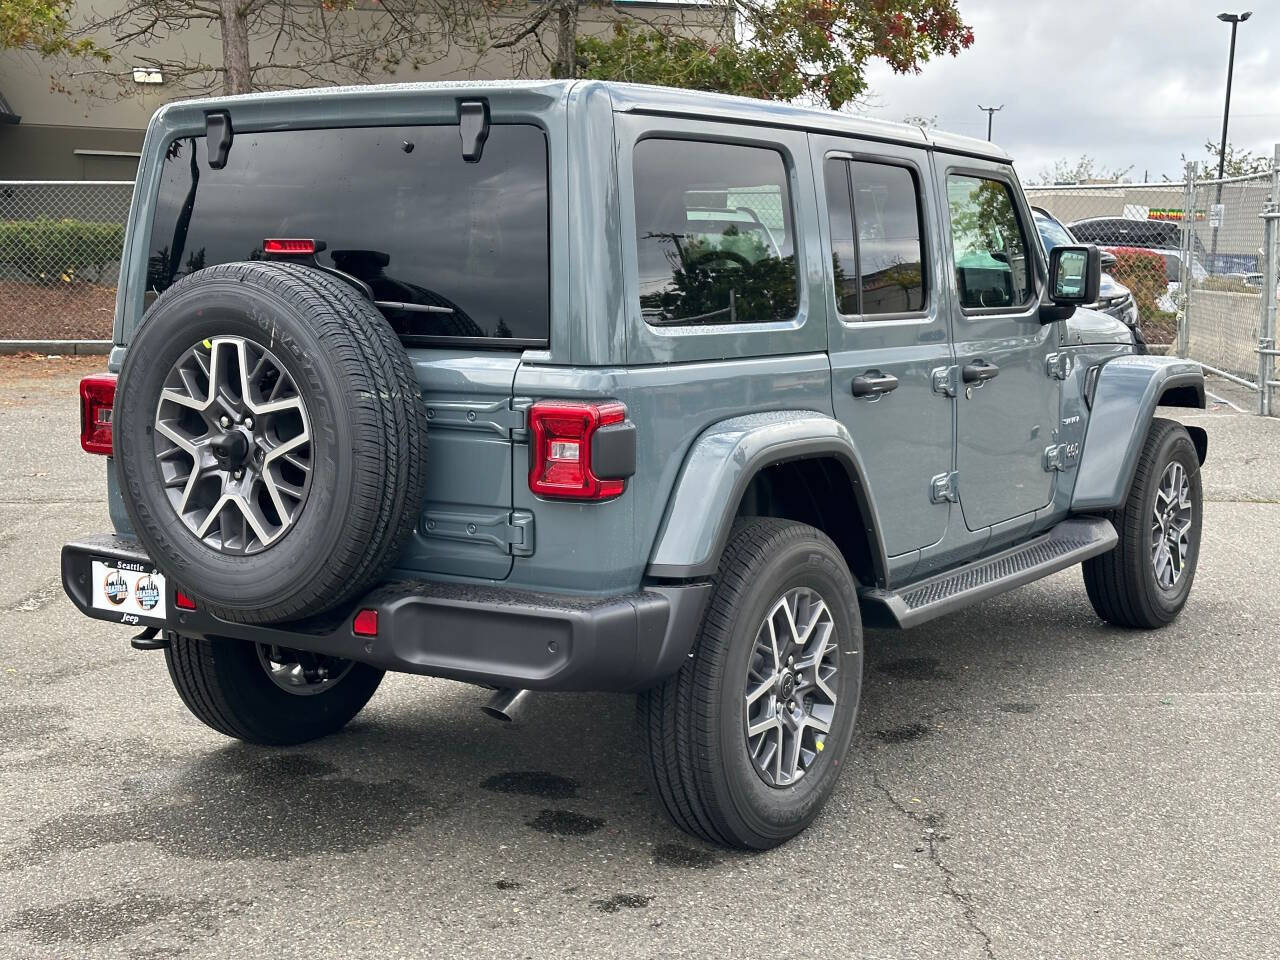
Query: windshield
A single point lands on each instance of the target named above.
(1052, 233)
(463, 247)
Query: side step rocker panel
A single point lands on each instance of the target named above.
(1068, 543)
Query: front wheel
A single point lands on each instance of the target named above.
(1145, 581)
(746, 741)
(265, 694)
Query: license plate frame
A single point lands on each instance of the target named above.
(131, 592)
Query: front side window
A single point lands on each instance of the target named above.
(715, 241)
(463, 246)
(876, 247)
(991, 255)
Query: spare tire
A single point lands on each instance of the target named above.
(270, 440)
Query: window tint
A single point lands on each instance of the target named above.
(992, 265)
(886, 211)
(883, 272)
(396, 207)
(844, 262)
(714, 236)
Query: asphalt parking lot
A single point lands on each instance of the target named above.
(1026, 782)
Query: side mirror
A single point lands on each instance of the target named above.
(1075, 274)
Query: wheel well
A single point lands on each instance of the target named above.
(1186, 395)
(821, 493)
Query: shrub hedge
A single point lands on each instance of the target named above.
(59, 251)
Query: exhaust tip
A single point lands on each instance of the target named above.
(504, 703)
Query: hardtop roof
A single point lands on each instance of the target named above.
(642, 98)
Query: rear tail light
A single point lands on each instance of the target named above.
(182, 601)
(97, 397)
(289, 246)
(560, 460)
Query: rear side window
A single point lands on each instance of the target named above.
(464, 243)
(882, 272)
(715, 240)
(990, 247)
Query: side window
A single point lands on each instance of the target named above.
(990, 248)
(886, 211)
(876, 249)
(844, 257)
(714, 234)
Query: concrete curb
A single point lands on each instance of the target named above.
(63, 348)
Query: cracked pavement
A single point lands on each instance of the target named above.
(1025, 782)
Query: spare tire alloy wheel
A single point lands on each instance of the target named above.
(270, 441)
(234, 444)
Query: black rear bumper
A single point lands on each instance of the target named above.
(480, 634)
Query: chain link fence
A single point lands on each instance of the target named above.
(1225, 319)
(1199, 259)
(60, 246)
(1138, 226)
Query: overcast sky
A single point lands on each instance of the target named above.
(1126, 81)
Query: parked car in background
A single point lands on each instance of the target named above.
(1114, 298)
(1158, 236)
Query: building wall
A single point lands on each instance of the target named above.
(65, 137)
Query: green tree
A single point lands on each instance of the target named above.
(42, 26)
(1236, 163)
(815, 50)
(1083, 170)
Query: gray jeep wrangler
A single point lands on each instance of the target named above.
(582, 386)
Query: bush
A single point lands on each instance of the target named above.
(53, 251)
(1143, 272)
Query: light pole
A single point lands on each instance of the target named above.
(991, 111)
(1235, 19)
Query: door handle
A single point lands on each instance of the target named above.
(979, 372)
(874, 384)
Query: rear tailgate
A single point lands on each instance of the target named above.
(468, 527)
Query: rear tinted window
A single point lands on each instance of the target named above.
(714, 237)
(887, 274)
(396, 207)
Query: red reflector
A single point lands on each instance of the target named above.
(97, 397)
(183, 602)
(289, 246)
(365, 624)
(560, 456)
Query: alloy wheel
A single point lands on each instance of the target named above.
(233, 441)
(790, 694)
(1171, 521)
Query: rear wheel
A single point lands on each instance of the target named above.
(746, 741)
(265, 694)
(1145, 581)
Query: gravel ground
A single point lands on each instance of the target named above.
(1026, 782)
(76, 311)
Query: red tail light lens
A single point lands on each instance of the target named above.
(365, 623)
(304, 247)
(560, 455)
(182, 601)
(97, 397)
